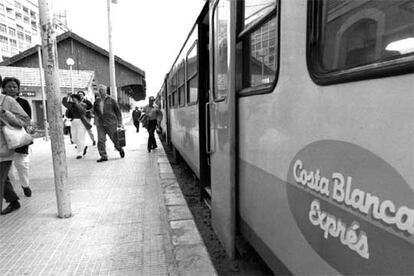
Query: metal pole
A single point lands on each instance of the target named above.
(114, 93)
(42, 87)
(51, 69)
(71, 80)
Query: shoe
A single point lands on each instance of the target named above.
(149, 149)
(79, 157)
(102, 159)
(94, 143)
(12, 207)
(154, 147)
(27, 191)
(85, 150)
(122, 153)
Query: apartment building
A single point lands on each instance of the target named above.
(19, 26)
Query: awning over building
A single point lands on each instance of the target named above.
(135, 91)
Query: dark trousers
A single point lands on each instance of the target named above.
(102, 132)
(136, 124)
(152, 125)
(6, 188)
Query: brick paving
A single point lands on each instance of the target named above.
(122, 222)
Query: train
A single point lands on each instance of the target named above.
(297, 117)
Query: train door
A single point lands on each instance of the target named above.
(222, 121)
(203, 101)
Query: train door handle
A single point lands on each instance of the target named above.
(207, 125)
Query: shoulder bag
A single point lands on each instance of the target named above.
(15, 137)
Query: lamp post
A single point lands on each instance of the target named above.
(114, 92)
(70, 62)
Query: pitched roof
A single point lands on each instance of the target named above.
(70, 34)
(31, 77)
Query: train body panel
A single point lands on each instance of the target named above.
(356, 130)
(185, 135)
(325, 138)
(182, 97)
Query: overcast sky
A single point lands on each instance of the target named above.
(146, 33)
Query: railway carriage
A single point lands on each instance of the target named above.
(297, 116)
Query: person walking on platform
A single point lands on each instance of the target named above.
(136, 114)
(12, 113)
(88, 115)
(154, 117)
(21, 160)
(79, 124)
(108, 118)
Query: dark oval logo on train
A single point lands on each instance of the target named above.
(353, 208)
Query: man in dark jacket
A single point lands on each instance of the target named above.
(136, 114)
(108, 118)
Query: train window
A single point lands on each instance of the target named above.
(255, 9)
(257, 47)
(193, 89)
(181, 91)
(174, 89)
(220, 50)
(175, 98)
(192, 78)
(181, 95)
(358, 39)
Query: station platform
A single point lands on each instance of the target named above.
(129, 217)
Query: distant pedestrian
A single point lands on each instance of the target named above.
(79, 124)
(12, 113)
(136, 114)
(108, 118)
(88, 115)
(154, 117)
(66, 126)
(21, 160)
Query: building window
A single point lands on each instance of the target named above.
(353, 34)
(13, 42)
(2, 10)
(33, 15)
(28, 39)
(4, 43)
(10, 12)
(3, 29)
(34, 25)
(25, 10)
(18, 16)
(20, 35)
(17, 5)
(26, 20)
(12, 32)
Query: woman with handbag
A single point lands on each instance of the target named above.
(12, 113)
(21, 161)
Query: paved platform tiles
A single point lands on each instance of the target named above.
(129, 218)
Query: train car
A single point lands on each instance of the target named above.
(186, 91)
(302, 132)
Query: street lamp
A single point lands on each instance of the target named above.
(70, 62)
